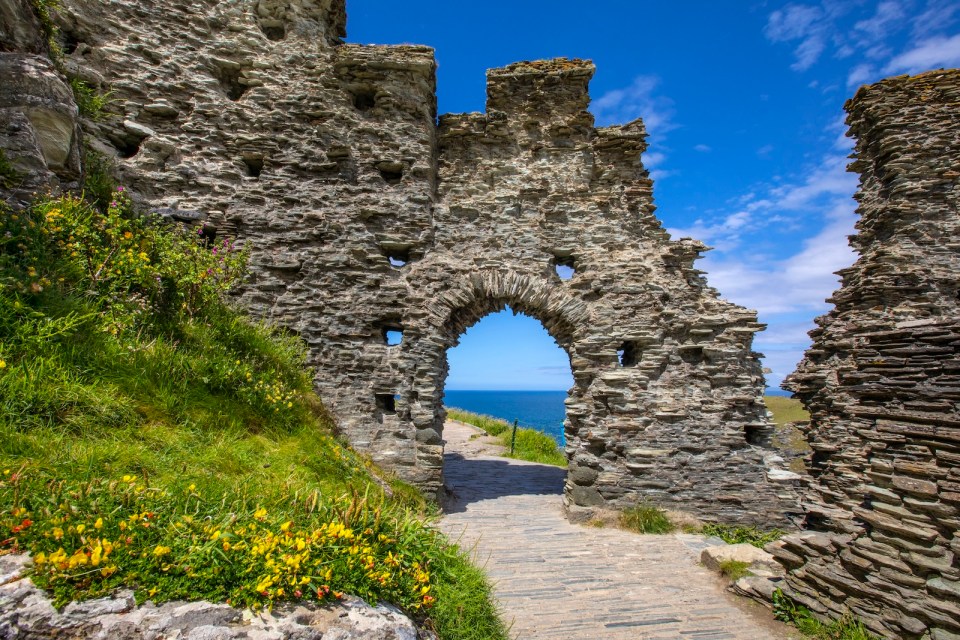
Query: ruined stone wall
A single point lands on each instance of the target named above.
(882, 379)
(365, 217)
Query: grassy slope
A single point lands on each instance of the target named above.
(786, 409)
(152, 437)
(530, 444)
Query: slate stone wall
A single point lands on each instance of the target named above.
(882, 379)
(365, 217)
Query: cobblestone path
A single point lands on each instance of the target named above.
(556, 580)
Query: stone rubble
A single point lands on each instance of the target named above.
(882, 380)
(366, 216)
(27, 612)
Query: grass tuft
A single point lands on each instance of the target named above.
(734, 569)
(845, 628)
(531, 445)
(646, 518)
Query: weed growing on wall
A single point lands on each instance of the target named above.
(646, 518)
(845, 628)
(736, 535)
(90, 102)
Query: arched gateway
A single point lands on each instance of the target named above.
(365, 216)
(667, 399)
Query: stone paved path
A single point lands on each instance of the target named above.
(556, 580)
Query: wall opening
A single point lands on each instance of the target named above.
(254, 165)
(392, 336)
(629, 354)
(273, 30)
(398, 256)
(391, 172)
(565, 267)
(229, 78)
(508, 365)
(386, 403)
(364, 99)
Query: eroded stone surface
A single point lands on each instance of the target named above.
(364, 216)
(27, 612)
(882, 380)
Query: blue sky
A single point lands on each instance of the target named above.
(744, 105)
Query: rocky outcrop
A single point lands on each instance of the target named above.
(882, 379)
(27, 612)
(367, 220)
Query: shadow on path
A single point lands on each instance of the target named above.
(488, 478)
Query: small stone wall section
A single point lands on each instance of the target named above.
(366, 217)
(882, 379)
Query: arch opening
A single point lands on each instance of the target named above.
(506, 363)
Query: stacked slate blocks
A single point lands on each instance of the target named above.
(882, 379)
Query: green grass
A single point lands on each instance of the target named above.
(155, 438)
(8, 175)
(531, 445)
(90, 102)
(786, 410)
(845, 628)
(737, 535)
(734, 569)
(646, 518)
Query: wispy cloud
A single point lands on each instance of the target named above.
(928, 54)
(638, 100)
(702, 148)
(878, 37)
(799, 22)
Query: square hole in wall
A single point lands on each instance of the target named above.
(387, 403)
(565, 266)
(392, 336)
(397, 255)
(629, 354)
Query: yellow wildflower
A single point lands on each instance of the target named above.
(260, 513)
(98, 524)
(81, 528)
(161, 551)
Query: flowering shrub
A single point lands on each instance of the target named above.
(140, 271)
(88, 539)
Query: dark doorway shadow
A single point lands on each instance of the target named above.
(473, 479)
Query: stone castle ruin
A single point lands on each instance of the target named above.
(882, 380)
(367, 215)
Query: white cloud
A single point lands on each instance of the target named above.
(888, 17)
(929, 54)
(635, 101)
(799, 22)
(702, 148)
(938, 16)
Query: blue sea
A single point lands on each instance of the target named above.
(541, 410)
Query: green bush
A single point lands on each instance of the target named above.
(737, 535)
(646, 518)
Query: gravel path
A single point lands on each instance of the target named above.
(556, 580)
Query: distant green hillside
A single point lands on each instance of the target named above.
(153, 437)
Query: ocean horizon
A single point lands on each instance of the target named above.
(540, 410)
